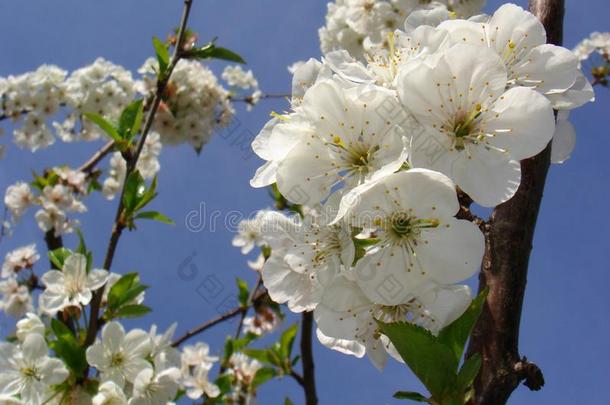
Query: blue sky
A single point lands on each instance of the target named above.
(565, 326)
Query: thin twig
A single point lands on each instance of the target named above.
(221, 318)
(3, 226)
(90, 164)
(119, 224)
(250, 99)
(309, 378)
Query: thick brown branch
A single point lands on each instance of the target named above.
(309, 378)
(509, 235)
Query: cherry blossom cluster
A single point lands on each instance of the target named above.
(58, 193)
(134, 367)
(16, 280)
(375, 150)
(194, 104)
(359, 25)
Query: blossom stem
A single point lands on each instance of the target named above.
(509, 234)
(90, 164)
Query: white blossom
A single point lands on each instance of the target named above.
(31, 324)
(28, 371)
(109, 393)
(198, 383)
(18, 198)
(16, 299)
(120, 357)
(19, 259)
(72, 286)
(478, 132)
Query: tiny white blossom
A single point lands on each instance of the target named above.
(23, 258)
(109, 394)
(28, 371)
(72, 286)
(31, 324)
(120, 357)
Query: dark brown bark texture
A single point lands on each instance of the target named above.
(509, 234)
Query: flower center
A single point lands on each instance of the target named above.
(402, 225)
(464, 127)
(30, 372)
(117, 360)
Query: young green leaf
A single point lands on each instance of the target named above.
(263, 375)
(131, 311)
(431, 361)
(105, 126)
(162, 55)
(135, 188)
(148, 196)
(413, 396)
(287, 340)
(287, 401)
(456, 333)
(67, 348)
(131, 119)
(261, 355)
(155, 216)
(244, 294)
(59, 256)
(469, 371)
(216, 52)
(120, 288)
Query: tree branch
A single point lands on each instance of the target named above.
(90, 164)
(119, 224)
(219, 319)
(509, 235)
(309, 378)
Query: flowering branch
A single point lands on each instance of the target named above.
(119, 224)
(509, 236)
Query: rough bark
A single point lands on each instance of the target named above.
(509, 234)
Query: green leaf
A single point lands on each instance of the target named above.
(67, 348)
(155, 216)
(287, 340)
(263, 375)
(456, 333)
(162, 55)
(431, 361)
(261, 355)
(216, 52)
(105, 126)
(287, 401)
(148, 195)
(244, 294)
(59, 256)
(469, 371)
(120, 288)
(131, 119)
(413, 396)
(224, 383)
(135, 188)
(131, 311)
